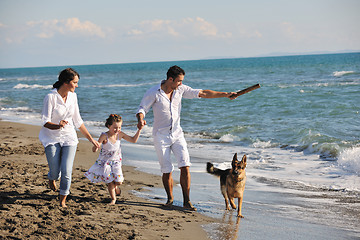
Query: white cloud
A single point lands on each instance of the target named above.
(184, 28)
(134, 32)
(70, 26)
(205, 28)
(290, 31)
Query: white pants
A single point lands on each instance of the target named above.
(164, 144)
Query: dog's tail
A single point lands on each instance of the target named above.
(213, 170)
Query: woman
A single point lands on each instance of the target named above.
(60, 116)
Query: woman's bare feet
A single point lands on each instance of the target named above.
(52, 185)
(62, 201)
(113, 201)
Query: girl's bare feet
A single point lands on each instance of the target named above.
(117, 190)
(52, 185)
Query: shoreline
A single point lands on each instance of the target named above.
(29, 209)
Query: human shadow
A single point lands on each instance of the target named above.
(35, 199)
(153, 205)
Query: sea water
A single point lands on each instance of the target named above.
(300, 130)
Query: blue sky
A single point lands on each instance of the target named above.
(51, 33)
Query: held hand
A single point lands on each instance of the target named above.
(231, 95)
(141, 124)
(96, 146)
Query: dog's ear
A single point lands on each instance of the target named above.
(234, 160)
(243, 160)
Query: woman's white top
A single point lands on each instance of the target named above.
(55, 110)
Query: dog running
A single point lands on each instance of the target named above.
(232, 182)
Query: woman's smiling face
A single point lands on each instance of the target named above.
(73, 84)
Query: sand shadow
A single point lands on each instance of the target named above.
(153, 205)
(36, 199)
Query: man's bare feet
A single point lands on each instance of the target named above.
(169, 203)
(52, 185)
(189, 206)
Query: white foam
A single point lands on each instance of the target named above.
(17, 109)
(314, 85)
(349, 159)
(34, 86)
(229, 138)
(223, 165)
(262, 144)
(20, 116)
(342, 73)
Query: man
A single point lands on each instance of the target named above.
(165, 99)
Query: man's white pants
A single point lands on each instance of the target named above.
(164, 144)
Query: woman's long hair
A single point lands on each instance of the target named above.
(65, 76)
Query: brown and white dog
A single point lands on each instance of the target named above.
(232, 182)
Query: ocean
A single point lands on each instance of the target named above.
(300, 130)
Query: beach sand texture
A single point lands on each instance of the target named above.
(30, 210)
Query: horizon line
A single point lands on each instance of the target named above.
(275, 54)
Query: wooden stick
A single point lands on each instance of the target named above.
(246, 90)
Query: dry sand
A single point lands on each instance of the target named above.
(30, 210)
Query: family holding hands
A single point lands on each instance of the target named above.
(61, 115)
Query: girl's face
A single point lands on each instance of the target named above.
(115, 127)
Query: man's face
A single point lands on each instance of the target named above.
(177, 82)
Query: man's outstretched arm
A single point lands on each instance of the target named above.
(216, 94)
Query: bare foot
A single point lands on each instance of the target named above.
(169, 203)
(62, 201)
(52, 185)
(117, 191)
(112, 202)
(189, 206)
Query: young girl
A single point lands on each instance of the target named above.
(107, 167)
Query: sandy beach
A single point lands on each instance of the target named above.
(30, 210)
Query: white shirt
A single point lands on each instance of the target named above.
(55, 110)
(166, 112)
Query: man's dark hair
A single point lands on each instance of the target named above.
(174, 72)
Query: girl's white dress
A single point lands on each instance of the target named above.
(107, 167)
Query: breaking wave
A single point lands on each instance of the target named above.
(349, 159)
(342, 73)
(34, 86)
